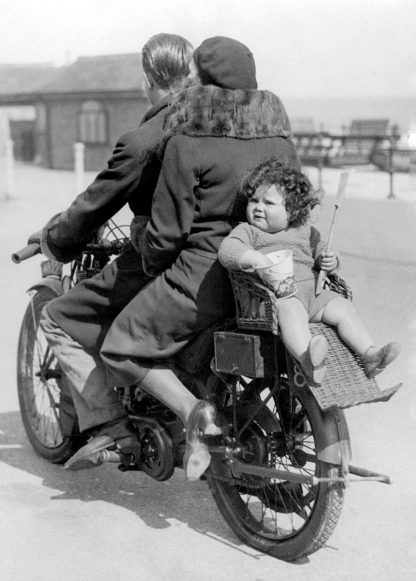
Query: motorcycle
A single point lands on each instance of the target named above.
(279, 470)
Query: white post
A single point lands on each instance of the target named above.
(412, 164)
(9, 169)
(79, 149)
(411, 180)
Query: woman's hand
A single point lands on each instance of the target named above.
(328, 261)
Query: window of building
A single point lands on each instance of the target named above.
(92, 123)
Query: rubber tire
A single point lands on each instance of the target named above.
(321, 523)
(26, 380)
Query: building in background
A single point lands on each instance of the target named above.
(18, 104)
(92, 101)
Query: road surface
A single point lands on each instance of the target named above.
(102, 525)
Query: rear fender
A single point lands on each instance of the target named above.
(55, 284)
(331, 434)
(333, 441)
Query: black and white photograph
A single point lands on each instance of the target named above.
(208, 290)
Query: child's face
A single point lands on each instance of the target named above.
(266, 209)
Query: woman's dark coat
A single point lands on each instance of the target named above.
(214, 137)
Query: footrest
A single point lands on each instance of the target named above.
(346, 383)
(365, 474)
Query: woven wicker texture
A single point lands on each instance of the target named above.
(345, 384)
(254, 303)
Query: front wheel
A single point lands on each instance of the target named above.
(42, 389)
(283, 518)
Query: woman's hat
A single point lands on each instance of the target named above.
(226, 63)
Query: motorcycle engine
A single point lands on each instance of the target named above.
(156, 454)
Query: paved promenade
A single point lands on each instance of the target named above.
(106, 526)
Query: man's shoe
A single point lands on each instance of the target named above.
(89, 456)
(115, 435)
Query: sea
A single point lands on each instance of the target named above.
(336, 114)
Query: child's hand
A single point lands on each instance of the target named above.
(262, 261)
(253, 259)
(328, 261)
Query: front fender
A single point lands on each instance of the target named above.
(55, 284)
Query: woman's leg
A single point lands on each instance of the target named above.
(162, 384)
(198, 416)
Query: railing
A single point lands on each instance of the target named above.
(325, 150)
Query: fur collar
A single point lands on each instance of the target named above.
(207, 110)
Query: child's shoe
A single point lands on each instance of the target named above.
(375, 360)
(314, 365)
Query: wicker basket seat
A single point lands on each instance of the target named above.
(346, 383)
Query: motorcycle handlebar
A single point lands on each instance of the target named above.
(26, 252)
(107, 246)
(113, 247)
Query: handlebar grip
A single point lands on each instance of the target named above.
(26, 252)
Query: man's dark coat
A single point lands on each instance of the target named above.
(87, 310)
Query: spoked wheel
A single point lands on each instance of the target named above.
(282, 517)
(40, 385)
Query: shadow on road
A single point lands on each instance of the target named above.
(157, 504)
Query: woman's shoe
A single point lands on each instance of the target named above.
(197, 457)
(375, 360)
(314, 366)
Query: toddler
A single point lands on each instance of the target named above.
(279, 202)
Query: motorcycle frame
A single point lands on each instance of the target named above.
(336, 450)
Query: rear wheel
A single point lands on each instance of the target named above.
(41, 387)
(286, 519)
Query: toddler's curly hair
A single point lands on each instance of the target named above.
(299, 194)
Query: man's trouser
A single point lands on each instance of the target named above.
(95, 400)
(76, 324)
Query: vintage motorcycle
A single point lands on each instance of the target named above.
(279, 470)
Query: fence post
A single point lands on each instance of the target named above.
(392, 148)
(320, 157)
(412, 163)
(9, 169)
(79, 149)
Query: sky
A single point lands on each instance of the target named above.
(314, 48)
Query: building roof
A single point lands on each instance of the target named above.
(24, 79)
(303, 125)
(118, 72)
(369, 127)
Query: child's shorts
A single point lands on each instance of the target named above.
(313, 303)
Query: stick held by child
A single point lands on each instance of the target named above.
(279, 200)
